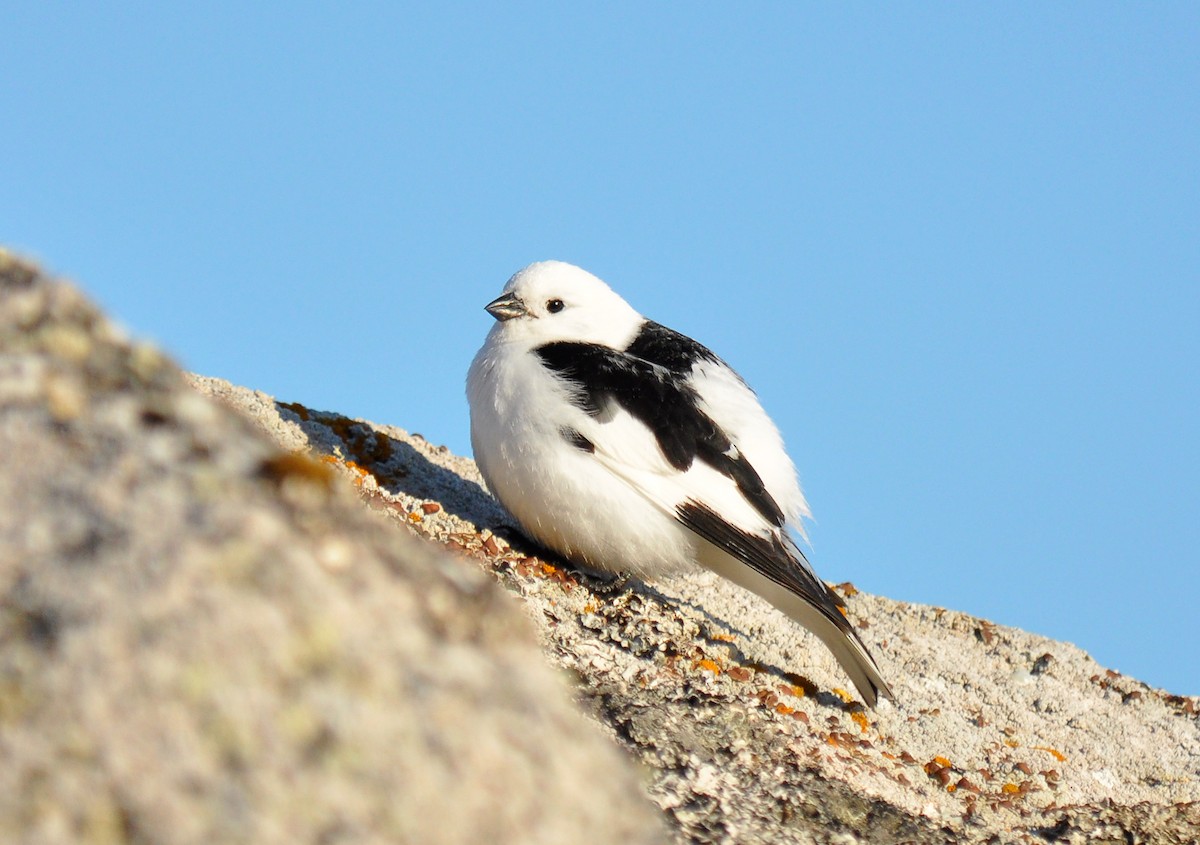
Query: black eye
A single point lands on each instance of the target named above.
(554, 305)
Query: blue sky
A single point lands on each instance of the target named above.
(955, 248)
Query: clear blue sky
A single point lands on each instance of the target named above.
(956, 248)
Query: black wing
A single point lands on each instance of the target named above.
(662, 398)
(772, 557)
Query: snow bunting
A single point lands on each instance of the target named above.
(626, 446)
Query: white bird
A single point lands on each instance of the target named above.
(626, 446)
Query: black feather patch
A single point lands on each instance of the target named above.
(668, 348)
(576, 439)
(661, 399)
(666, 404)
(769, 556)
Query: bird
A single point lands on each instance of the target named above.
(630, 448)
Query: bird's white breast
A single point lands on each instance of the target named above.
(561, 494)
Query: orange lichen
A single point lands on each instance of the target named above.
(1012, 743)
(985, 632)
(708, 666)
(860, 718)
(784, 710)
(943, 774)
(843, 695)
(534, 568)
(362, 473)
(294, 465)
(942, 761)
(365, 447)
(1058, 755)
(1010, 789)
(296, 408)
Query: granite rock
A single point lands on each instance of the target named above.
(999, 735)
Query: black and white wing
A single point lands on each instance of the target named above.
(648, 426)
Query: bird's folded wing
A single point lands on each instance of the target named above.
(663, 410)
(772, 555)
(647, 430)
(761, 558)
(646, 427)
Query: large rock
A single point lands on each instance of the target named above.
(281, 644)
(1000, 735)
(205, 639)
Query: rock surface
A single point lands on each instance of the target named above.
(202, 637)
(206, 639)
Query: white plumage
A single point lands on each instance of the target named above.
(625, 446)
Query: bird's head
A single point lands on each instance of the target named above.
(554, 301)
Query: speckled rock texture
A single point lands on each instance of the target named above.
(736, 716)
(999, 736)
(206, 639)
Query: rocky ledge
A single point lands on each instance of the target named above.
(229, 618)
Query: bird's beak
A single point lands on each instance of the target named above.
(506, 306)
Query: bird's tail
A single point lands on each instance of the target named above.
(835, 633)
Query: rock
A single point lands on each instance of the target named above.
(188, 541)
(206, 639)
(999, 736)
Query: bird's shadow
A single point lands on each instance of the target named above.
(715, 631)
(398, 467)
(732, 635)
